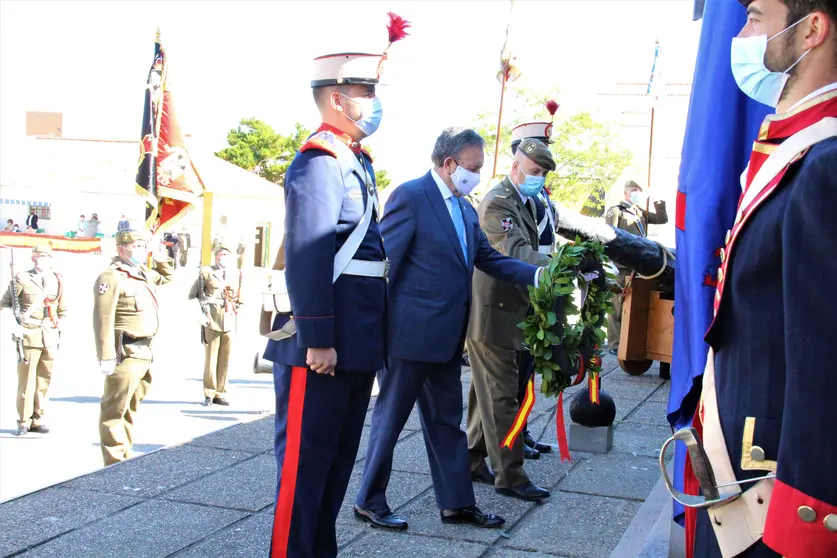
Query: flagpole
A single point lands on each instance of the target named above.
(653, 95)
(500, 120)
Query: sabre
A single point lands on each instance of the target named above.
(702, 468)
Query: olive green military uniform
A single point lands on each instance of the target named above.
(493, 335)
(635, 220)
(220, 300)
(125, 320)
(41, 306)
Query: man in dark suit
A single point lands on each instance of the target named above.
(433, 240)
(32, 222)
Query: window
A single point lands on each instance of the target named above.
(42, 211)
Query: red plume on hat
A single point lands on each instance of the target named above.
(552, 107)
(396, 30)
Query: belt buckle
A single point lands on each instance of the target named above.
(386, 270)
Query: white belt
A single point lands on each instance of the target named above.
(364, 268)
(545, 250)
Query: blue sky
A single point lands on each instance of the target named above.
(230, 60)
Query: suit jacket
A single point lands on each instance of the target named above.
(430, 278)
(32, 221)
(499, 306)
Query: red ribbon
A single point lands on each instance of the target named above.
(561, 431)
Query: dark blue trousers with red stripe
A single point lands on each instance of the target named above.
(319, 420)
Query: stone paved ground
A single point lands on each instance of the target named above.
(213, 496)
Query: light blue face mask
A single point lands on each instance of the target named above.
(532, 185)
(372, 111)
(751, 74)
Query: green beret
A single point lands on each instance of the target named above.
(630, 185)
(537, 152)
(128, 236)
(44, 248)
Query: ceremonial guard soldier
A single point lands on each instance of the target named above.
(546, 220)
(36, 298)
(327, 350)
(125, 320)
(768, 413)
(507, 216)
(218, 291)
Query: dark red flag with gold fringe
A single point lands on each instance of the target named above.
(161, 171)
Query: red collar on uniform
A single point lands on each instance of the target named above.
(778, 127)
(342, 136)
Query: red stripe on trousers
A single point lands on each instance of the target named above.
(691, 486)
(290, 465)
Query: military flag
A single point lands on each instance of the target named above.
(722, 125)
(163, 161)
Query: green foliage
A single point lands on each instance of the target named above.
(541, 329)
(587, 159)
(382, 180)
(256, 147)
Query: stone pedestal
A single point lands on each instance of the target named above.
(598, 439)
(591, 429)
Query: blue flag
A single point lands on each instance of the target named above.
(721, 128)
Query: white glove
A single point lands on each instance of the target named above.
(11, 323)
(107, 367)
(203, 319)
(17, 330)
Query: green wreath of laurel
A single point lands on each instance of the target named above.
(541, 329)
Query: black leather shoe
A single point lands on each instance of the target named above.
(472, 516)
(384, 519)
(207, 402)
(221, 401)
(21, 430)
(530, 453)
(529, 492)
(530, 442)
(483, 476)
(40, 429)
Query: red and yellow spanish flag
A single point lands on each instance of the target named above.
(163, 161)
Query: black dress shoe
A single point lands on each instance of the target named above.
(221, 401)
(384, 519)
(21, 430)
(530, 453)
(530, 442)
(472, 516)
(483, 476)
(207, 402)
(40, 429)
(529, 492)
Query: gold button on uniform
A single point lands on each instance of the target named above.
(806, 514)
(501, 305)
(757, 454)
(830, 522)
(720, 275)
(723, 255)
(729, 235)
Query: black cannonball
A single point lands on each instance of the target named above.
(585, 413)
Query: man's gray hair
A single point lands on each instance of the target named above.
(452, 141)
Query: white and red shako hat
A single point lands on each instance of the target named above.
(357, 68)
(541, 131)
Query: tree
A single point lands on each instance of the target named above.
(256, 147)
(382, 180)
(587, 160)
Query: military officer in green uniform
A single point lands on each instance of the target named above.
(125, 320)
(633, 214)
(40, 308)
(507, 215)
(218, 290)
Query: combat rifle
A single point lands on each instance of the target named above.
(21, 354)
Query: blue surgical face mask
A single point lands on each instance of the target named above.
(634, 197)
(531, 185)
(751, 74)
(372, 111)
